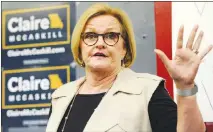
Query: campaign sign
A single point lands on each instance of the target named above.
(44, 26)
(37, 36)
(26, 96)
(38, 56)
(36, 60)
(26, 88)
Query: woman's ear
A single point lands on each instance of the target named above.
(124, 55)
(124, 52)
(80, 54)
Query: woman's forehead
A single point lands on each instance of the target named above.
(103, 23)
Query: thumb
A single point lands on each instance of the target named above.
(163, 57)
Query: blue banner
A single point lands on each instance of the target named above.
(37, 36)
(36, 60)
(24, 28)
(32, 87)
(26, 95)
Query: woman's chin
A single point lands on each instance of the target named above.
(97, 66)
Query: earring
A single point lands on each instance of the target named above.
(122, 63)
(82, 64)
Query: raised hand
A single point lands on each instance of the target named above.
(184, 66)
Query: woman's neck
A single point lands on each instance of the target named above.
(99, 81)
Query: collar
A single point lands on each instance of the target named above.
(126, 81)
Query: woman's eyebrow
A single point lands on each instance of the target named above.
(89, 29)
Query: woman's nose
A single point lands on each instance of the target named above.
(100, 43)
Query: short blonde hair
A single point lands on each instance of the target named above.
(127, 31)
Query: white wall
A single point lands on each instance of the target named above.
(189, 14)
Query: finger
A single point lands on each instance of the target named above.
(180, 37)
(163, 58)
(198, 41)
(206, 51)
(192, 37)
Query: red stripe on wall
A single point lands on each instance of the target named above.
(163, 30)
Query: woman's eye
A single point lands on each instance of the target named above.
(111, 36)
(90, 36)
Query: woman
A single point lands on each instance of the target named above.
(113, 98)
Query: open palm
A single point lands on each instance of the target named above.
(183, 68)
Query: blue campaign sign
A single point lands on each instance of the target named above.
(24, 28)
(38, 56)
(26, 94)
(32, 87)
(36, 60)
(37, 36)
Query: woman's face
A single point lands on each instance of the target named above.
(100, 55)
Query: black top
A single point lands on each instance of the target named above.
(162, 111)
